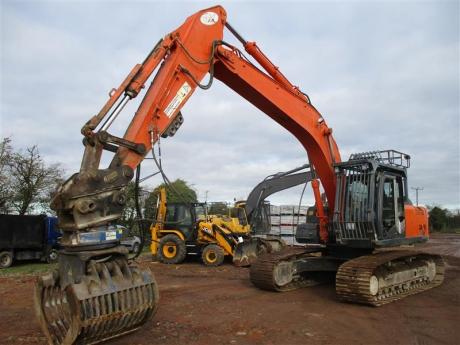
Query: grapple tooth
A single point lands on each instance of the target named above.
(111, 300)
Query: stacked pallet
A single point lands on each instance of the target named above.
(284, 220)
(275, 220)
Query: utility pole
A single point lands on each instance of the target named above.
(206, 197)
(416, 193)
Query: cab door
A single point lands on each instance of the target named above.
(391, 210)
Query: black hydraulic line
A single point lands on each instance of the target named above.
(159, 152)
(210, 61)
(139, 217)
(235, 33)
(300, 200)
(157, 161)
(148, 176)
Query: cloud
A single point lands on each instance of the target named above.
(384, 75)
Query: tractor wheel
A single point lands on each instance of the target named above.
(6, 259)
(172, 249)
(212, 255)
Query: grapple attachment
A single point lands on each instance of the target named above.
(247, 252)
(111, 299)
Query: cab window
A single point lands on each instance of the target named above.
(388, 203)
(393, 205)
(170, 213)
(184, 216)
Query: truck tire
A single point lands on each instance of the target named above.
(6, 259)
(53, 256)
(212, 255)
(172, 249)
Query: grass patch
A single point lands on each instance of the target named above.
(27, 268)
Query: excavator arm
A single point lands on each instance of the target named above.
(183, 58)
(94, 279)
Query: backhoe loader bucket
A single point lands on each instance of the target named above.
(246, 252)
(110, 299)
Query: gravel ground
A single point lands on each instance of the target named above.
(201, 305)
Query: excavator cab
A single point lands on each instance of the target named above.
(370, 200)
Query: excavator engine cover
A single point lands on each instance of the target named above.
(91, 299)
(247, 252)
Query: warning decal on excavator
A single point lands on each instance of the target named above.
(209, 18)
(177, 100)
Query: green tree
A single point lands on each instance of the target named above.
(218, 208)
(129, 213)
(453, 220)
(438, 218)
(32, 180)
(178, 191)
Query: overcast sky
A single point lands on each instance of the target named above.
(383, 74)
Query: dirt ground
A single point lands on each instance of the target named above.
(200, 305)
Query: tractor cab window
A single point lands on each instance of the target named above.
(184, 216)
(238, 212)
(242, 216)
(170, 213)
(178, 214)
(200, 212)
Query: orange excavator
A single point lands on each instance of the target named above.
(97, 294)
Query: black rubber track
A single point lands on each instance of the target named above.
(353, 278)
(261, 272)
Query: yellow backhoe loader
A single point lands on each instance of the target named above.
(187, 228)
